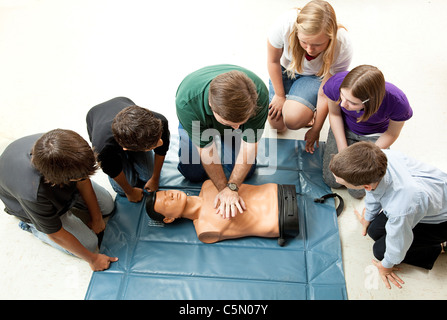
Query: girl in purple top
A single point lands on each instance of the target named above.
(362, 106)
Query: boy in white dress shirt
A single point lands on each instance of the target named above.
(405, 206)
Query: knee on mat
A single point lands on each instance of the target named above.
(90, 243)
(357, 194)
(107, 207)
(329, 179)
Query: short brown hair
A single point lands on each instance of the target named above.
(361, 163)
(62, 156)
(233, 96)
(366, 83)
(136, 128)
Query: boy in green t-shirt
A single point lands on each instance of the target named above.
(229, 102)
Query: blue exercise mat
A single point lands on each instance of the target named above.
(169, 262)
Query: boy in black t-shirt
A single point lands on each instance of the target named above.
(123, 135)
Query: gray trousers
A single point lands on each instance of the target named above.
(331, 148)
(74, 224)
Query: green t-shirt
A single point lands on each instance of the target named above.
(195, 114)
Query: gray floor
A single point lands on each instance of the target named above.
(59, 58)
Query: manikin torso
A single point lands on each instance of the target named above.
(259, 219)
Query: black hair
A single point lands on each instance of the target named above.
(150, 202)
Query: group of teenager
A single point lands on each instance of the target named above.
(44, 178)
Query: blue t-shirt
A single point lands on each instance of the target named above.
(395, 106)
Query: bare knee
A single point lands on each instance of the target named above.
(296, 115)
(277, 124)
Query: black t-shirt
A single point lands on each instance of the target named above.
(99, 127)
(24, 192)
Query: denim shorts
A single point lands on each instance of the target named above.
(303, 89)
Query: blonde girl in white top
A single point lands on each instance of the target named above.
(305, 48)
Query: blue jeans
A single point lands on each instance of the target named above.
(74, 225)
(137, 167)
(303, 89)
(190, 164)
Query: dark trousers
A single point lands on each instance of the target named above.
(426, 245)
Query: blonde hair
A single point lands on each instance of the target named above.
(317, 16)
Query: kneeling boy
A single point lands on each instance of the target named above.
(41, 178)
(405, 206)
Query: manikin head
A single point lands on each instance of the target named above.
(166, 205)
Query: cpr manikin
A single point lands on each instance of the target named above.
(271, 212)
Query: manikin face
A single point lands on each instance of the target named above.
(170, 203)
(314, 44)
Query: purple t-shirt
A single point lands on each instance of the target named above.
(395, 106)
